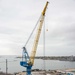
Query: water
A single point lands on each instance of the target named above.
(14, 64)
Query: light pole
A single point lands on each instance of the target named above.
(6, 66)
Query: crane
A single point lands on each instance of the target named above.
(29, 61)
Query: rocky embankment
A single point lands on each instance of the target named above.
(1, 73)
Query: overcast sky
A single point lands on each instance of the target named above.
(18, 18)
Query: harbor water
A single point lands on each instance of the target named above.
(13, 64)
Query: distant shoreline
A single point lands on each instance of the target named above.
(61, 58)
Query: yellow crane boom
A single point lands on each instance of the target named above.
(34, 48)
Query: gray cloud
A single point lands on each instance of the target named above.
(18, 17)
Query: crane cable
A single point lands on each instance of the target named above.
(32, 31)
(44, 63)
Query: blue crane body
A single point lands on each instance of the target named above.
(25, 63)
(29, 61)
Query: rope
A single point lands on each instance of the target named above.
(32, 32)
